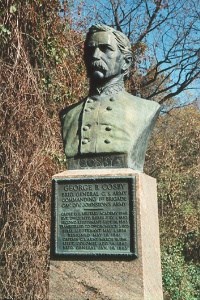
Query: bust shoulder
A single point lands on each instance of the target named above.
(142, 106)
(71, 110)
(137, 100)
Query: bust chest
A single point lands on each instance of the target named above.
(120, 123)
(104, 122)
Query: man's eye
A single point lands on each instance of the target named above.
(104, 48)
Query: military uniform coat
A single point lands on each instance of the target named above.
(115, 122)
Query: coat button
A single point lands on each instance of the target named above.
(109, 108)
(107, 141)
(87, 109)
(85, 141)
(90, 101)
(85, 128)
(108, 128)
(112, 99)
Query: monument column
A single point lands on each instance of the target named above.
(104, 225)
(129, 267)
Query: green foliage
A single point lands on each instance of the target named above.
(180, 279)
(4, 33)
(13, 9)
(173, 149)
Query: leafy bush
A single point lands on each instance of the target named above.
(180, 279)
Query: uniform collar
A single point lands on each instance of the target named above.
(108, 89)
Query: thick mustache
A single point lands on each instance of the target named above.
(100, 65)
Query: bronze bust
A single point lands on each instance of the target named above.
(109, 121)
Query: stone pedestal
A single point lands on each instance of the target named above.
(136, 279)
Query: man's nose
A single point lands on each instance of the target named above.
(97, 53)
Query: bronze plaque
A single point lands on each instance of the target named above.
(94, 217)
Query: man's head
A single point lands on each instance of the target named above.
(107, 53)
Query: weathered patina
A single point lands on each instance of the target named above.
(110, 120)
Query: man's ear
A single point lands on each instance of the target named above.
(126, 64)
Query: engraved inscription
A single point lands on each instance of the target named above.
(93, 216)
(109, 161)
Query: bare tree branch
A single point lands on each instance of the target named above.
(165, 38)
